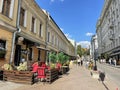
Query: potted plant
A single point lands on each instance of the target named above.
(60, 58)
(53, 59)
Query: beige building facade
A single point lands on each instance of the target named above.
(28, 32)
(8, 14)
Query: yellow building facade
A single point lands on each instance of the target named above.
(27, 33)
(8, 14)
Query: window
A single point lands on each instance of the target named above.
(6, 7)
(40, 31)
(2, 48)
(52, 39)
(22, 15)
(33, 24)
(48, 37)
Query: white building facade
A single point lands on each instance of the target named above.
(108, 30)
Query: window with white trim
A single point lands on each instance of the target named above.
(22, 16)
(40, 30)
(6, 7)
(33, 24)
(48, 38)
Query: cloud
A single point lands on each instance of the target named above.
(89, 34)
(84, 44)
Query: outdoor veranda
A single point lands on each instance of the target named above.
(32, 72)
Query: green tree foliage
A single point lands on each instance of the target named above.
(79, 50)
(82, 51)
(62, 58)
(52, 57)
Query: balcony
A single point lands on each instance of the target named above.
(111, 26)
(111, 37)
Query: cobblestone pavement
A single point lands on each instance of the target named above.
(78, 78)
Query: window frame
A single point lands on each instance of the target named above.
(22, 16)
(32, 24)
(6, 7)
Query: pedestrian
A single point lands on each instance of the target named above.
(78, 61)
(87, 64)
(114, 61)
(110, 60)
(81, 62)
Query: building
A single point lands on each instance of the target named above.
(8, 14)
(108, 31)
(29, 32)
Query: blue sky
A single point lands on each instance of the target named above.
(76, 18)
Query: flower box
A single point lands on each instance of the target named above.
(51, 75)
(18, 76)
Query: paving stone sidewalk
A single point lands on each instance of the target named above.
(78, 78)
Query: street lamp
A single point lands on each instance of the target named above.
(95, 67)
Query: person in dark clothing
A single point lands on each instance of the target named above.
(81, 62)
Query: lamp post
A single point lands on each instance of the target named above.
(95, 67)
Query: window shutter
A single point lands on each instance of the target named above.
(1, 5)
(11, 8)
(25, 19)
(30, 22)
(35, 25)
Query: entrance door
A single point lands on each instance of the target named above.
(39, 51)
(17, 55)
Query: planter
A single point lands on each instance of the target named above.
(51, 75)
(18, 76)
(64, 69)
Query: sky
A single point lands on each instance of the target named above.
(76, 18)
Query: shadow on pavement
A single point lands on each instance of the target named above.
(105, 86)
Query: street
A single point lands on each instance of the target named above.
(111, 72)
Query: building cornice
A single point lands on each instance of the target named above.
(7, 26)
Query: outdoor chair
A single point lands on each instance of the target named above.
(41, 74)
(34, 70)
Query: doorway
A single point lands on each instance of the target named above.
(39, 52)
(17, 55)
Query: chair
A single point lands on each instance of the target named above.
(58, 66)
(34, 67)
(41, 73)
(34, 70)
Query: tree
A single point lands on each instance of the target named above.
(53, 57)
(82, 51)
(79, 50)
(62, 58)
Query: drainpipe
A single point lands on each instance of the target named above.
(14, 34)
